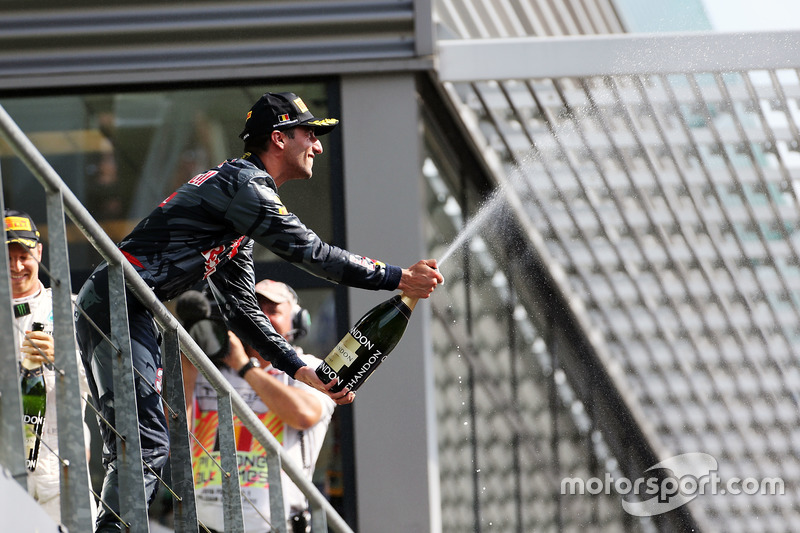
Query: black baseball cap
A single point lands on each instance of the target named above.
(281, 111)
(21, 229)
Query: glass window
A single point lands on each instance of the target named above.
(123, 153)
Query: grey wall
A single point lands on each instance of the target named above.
(396, 454)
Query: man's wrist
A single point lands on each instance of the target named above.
(392, 278)
(252, 363)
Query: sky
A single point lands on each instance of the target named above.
(753, 15)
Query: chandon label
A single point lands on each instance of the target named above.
(34, 420)
(328, 371)
(365, 369)
(362, 339)
(345, 352)
(352, 360)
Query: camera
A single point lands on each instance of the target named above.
(202, 319)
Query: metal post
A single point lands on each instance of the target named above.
(12, 445)
(319, 520)
(76, 510)
(185, 507)
(132, 503)
(276, 509)
(231, 490)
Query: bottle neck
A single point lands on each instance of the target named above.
(31, 369)
(408, 300)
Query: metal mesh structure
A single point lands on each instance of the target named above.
(668, 202)
(509, 425)
(662, 195)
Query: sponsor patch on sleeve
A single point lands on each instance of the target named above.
(366, 262)
(281, 208)
(272, 196)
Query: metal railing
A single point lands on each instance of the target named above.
(75, 489)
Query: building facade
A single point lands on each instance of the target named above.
(505, 385)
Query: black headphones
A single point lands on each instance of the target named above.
(301, 318)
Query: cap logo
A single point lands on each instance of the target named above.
(249, 114)
(300, 105)
(283, 118)
(323, 122)
(18, 224)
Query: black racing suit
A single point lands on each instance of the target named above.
(205, 231)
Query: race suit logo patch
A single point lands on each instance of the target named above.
(214, 256)
(159, 380)
(212, 260)
(202, 178)
(235, 247)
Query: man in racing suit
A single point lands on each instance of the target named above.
(205, 231)
(32, 302)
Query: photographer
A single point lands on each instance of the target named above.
(296, 414)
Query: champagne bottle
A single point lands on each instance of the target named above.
(34, 400)
(367, 343)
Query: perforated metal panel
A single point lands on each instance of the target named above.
(661, 191)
